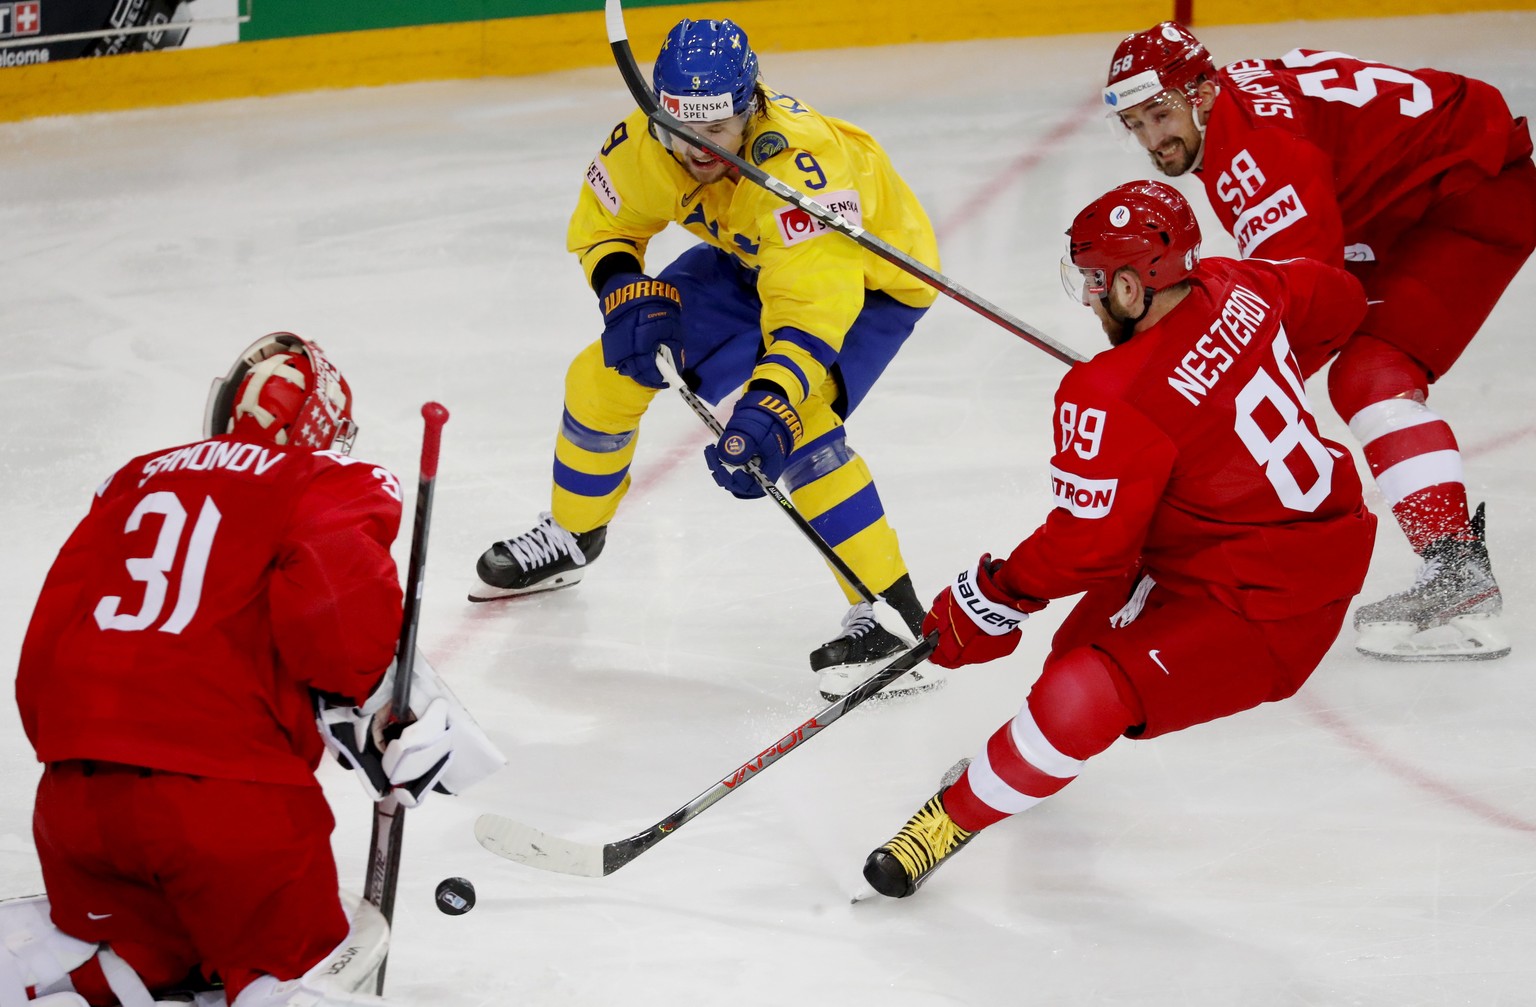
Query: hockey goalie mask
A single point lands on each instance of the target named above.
(1145, 226)
(283, 390)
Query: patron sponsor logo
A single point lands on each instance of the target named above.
(1240, 319)
(797, 225)
(1085, 498)
(1266, 219)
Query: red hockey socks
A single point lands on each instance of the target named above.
(1411, 451)
(1077, 709)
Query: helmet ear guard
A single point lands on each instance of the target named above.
(284, 390)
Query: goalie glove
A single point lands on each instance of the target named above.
(438, 746)
(976, 619)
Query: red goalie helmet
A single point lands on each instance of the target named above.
(1165, 57)
(284, 391)
(1146, 226)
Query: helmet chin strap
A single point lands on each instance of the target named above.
(1200, 125)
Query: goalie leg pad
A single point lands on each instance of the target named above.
(341, 977)
(269, 992)
(34, 952)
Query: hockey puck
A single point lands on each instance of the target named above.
(455, 896)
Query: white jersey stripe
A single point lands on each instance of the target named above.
(1039, 752)
(1388, 417)
(990, 789)
(1419, 472)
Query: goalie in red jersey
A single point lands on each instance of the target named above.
(1193, 499)
(219, 600)
(1420, 182)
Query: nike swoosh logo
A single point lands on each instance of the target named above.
(688, 198)
(98, 916)
(1157, 660)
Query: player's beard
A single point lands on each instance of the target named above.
(1114, 326)
(1174, 158)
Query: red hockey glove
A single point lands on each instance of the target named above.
(976, 620)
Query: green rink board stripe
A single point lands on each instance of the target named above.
(543, 43)
(288, 18)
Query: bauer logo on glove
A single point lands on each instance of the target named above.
(991, 617)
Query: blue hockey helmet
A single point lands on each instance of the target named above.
(706, 71)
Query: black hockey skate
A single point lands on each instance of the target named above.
(930, 837)
(1451, 613)
(546, 558)
(864, 644)
(859, 652)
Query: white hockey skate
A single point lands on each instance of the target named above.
(859, 652)
(543, 559)
(1451, 613)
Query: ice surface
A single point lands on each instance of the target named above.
(1372, 842)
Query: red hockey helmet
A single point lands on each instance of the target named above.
(1146, 226)
(285, 391)
(1165, 57)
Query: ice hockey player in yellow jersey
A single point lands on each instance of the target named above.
(803, 317)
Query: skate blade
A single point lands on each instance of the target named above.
(836, 682)
(481, 591)
(1463, 638)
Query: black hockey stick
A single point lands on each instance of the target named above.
(892, 621)
(388, 816)
(618, 41)
(528, 845)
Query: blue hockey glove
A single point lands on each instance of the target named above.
(762, 426)
(640, 314)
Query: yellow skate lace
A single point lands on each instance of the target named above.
(928, 837)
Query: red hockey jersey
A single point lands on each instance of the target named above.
(210, 587)
(1192, 450)
(1328, 156)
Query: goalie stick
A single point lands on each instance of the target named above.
(887, 616)
(618, 41)
(388, 816)
(527, 845)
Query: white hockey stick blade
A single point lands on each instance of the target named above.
(536, 848)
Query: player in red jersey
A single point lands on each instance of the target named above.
(1420, 182)
(1193, 499)
(214, 595)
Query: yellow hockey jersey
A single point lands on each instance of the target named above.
(809, 277)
